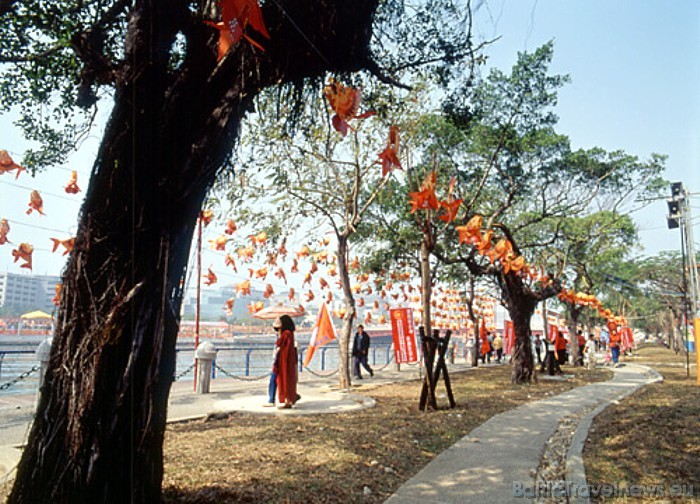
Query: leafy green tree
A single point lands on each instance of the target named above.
(652, 291)
(320, 181)
(592, 248)
(176, 115)
(523, 178)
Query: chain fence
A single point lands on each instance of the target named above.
(384, 366)
(19, 378)
(321, 375)
(183, 373)
(240, 377)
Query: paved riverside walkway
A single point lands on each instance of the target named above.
(504, 452)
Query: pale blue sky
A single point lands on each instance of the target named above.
(635, 80)
(635, 74)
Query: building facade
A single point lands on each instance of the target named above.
(20, 293)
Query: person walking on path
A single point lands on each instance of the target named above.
(551, 359)
(560, 348)
(614, 342)
(581, 342)
(538, 349)
(589, 350)
(286, 362)
(498, 347)
(360, 350)
(485, 349)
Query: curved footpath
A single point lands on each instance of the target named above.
(499, 460)
(481, 467)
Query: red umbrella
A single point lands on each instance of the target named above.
(272, 312)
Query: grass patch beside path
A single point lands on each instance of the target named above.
(331, 458)
(652, 437)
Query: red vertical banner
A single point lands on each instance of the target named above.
(627, 338)
(404, 334)
(553, 330)
(508, 337)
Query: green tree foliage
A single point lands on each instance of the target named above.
(652, 292)
(590, 249)
(497, 134)
(319, 182)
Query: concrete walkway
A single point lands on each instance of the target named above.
(503, 454)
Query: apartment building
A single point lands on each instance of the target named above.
(23, 292)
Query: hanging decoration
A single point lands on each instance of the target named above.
(72, 187)
(24, 252)
(36, 203)
(7, 164)
(66, 244)
(4, 231)
(236, 16)
(345, 102)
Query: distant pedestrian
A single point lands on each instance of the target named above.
(360, 351)
(589, 350)
(560, 348)
(538, 349)
(614, 343)
(286, 362)
(485, 350)
(498, 347)
(581, 342)
(550, 362)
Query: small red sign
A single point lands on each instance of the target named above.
(404, 335)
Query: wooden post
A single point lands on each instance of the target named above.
(427, 395)
(443, 346)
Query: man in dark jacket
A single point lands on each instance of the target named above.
(360, 349)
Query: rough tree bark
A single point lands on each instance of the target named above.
(346, 333)
(574, 312)
(98, 432)
(520, 303)
(426, 285)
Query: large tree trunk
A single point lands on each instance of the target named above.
(346, 333)
(520, 303)
(98, 432)
(523, 362)
(425, 286)
(574, 316)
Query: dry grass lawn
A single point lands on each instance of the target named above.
(653, 436)
(332, 458)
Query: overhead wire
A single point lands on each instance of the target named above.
(60, 196)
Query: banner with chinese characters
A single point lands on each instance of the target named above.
(508, 337)
(404, 334)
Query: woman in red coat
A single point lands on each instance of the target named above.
(286, 362)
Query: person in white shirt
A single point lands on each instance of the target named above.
(589, 351)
